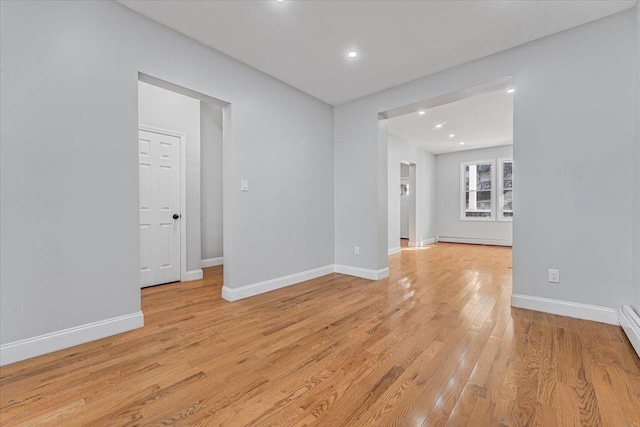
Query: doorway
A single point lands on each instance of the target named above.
(180, 141)
(407, 204)
(462, 143)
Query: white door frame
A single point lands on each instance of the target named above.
(413, 196)
(183, 194)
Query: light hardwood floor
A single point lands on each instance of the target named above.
(435, 344)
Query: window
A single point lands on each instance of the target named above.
(477, 190)
(505, 205)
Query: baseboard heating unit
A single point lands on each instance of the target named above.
(630, 323)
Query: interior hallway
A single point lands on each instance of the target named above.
(436, 342)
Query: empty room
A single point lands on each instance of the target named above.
(332, 213)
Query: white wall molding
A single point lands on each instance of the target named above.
(474, 241)
(394, 251)
(234, 294)
(54, 341)
(212, 262)
(630, 322)
(193, 275)
(566, 308)
(362, 272)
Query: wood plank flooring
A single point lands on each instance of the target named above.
(436, 344)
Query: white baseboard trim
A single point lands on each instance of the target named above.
(362, 272)
(566, 308)
(234, 294)
(630, 322)
(421, 243)
(54, 341)
(193, 275)
(211, 262)
(474, 241)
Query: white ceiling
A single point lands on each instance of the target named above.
(304, 43)
(480, 121)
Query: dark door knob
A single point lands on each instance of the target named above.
(176, 216)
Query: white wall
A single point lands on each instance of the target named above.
(162, 109)
(211, 180)
(636, 210)
(573, 124)
(425, 191)
(448, 222)
(68, 163)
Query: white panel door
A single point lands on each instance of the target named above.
(404, 211)
(159, 168)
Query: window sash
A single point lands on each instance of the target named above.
(478, 193)
(506, 186)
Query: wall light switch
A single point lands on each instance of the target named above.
(554, 275)
(244, 185)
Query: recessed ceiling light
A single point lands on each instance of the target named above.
(511, 90)
(422, 113)
(461, 142)
(279, 1)
(439, 125)
(352, 54)
(451, 135)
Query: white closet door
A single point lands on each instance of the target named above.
(404, 211)
(159, 168)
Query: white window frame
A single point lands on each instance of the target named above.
(501, 162)
(463, 191)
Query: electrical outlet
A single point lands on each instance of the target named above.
(554, 275)
(357, 250)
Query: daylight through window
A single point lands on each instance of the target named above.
(506, 189)
(478, 190)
